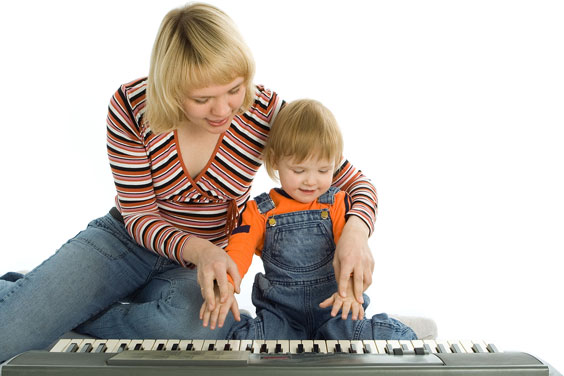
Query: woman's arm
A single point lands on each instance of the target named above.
(353, 255)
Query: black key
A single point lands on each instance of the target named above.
(300, 348)
(211, 347)
(73, 347)
(441, 348)
(338, 348)
(263, 348)
(456, 349)
(122, 347)
(190, 347)
(419, 351)
(316, 348)
(249, 347)
(161, 347)
(398, 351)
(175, 347)
(227, 347)
(367, 348)
(477, 348)
(278, 348)
(86, 348)
(492, 348)
(101, 348)
(138, 347)
(389, 349)
(427, 347)
(352, 349)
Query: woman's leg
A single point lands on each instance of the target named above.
(166, 307)
(98, 267)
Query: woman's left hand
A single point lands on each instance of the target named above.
(353, 255)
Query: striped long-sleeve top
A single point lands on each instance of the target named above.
(163, 206)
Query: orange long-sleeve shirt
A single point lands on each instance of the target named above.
(248, 238)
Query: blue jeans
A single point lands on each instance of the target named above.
(297, 256)
(101, 283)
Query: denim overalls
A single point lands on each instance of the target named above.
(297, 255)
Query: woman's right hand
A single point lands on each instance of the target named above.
(213, 264)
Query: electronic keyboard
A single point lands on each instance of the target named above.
(102, 357)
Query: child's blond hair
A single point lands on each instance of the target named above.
(197, 45)
(303, 129)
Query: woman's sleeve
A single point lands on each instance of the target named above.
(361, 191)
(131, 170)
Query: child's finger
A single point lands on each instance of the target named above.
(337, 304)
(345, 310)
(327, 302)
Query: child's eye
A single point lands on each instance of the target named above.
(235, 91)
(323, 171)
(201, 101)
(298, 171)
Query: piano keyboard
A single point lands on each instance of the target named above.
(277, 346)
(273, 357)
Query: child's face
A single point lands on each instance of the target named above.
(307, 180)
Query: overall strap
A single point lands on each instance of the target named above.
(264, 203)
(329, 196)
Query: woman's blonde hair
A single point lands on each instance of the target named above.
(303, 129)
(197, 46)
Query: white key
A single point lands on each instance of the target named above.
(345, 345)
(381, 346)
(112, 345)
(467, 344)
(198, 345)
(160, 344)
(395, 343)
(416, 343)
(443, 346)
(432, 344)
(148, 344)
(322, 346)
(455, 345)
(370, 346)
(331, 346)
(170, 344)
(207, 343)
(220, 344)
(406, 345)
(61, 345)
(359, 346)
(257, 344)
(183, 344)
(235, 344)
(294, 346)
(134, 343)
(244, 343)
(271, 346)
(308, 345)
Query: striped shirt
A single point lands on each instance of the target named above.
(163, 206)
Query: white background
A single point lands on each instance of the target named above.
(453, 108)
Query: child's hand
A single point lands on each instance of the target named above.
(346, 305)
(219, 313)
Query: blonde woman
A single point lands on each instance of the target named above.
(184, 145)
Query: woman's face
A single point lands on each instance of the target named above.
(212, 108)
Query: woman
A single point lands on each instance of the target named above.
(184, 145)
